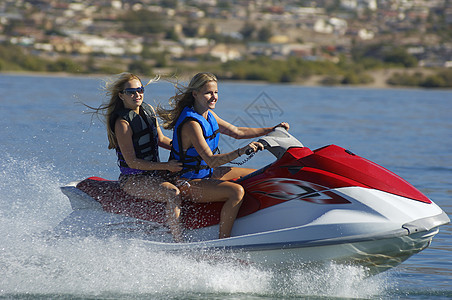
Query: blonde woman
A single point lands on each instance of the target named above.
(196, 130)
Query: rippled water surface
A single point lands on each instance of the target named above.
(48, 141)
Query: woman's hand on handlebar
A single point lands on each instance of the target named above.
(284, 125)
(251, 147)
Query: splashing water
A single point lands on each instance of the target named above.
(30, 199)
(34, 263)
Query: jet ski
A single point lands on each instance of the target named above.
(306, 207)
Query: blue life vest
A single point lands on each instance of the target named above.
(193, 165)
(144, 137)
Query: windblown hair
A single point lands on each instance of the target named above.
(108, 110)
(183, 98)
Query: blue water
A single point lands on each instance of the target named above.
(48, 141)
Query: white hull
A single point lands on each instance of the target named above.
(284, 235)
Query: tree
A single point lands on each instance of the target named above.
(264, 34)
(65, 65)
(169, 3)
(387, 53)
(190, 29)
(140, 67)
(400, 56)
(142, 22)
(248, 31)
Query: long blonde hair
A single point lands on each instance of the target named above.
(183, 98)
(109, 109)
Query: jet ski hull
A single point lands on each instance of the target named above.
(306, 207)
(366, 240)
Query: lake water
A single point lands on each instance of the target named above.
(48, 141)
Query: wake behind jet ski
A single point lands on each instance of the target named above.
(306, 207)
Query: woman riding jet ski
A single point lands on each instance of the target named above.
(307, 206)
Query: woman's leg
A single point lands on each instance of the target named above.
(212, 190)
(147, 187)
(228, 173)
(173, 211)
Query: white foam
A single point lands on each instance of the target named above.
(36, 263)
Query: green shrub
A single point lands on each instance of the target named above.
(405, 79)
(442, 79)
(64, 65)
(434, 81)
(140, 67)
(356, 78)
(331, 80)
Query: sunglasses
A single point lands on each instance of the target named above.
(131, 91)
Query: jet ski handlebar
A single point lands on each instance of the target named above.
(278, 141)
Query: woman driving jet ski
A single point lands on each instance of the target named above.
(196, 130)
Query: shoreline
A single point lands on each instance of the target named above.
(380, 78)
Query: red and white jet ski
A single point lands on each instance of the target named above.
(306, 207)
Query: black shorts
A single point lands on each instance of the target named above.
(157, 175)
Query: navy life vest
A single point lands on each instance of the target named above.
(193, 165)
(144, 137)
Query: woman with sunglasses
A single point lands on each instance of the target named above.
(196, 131)
(133, 131)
